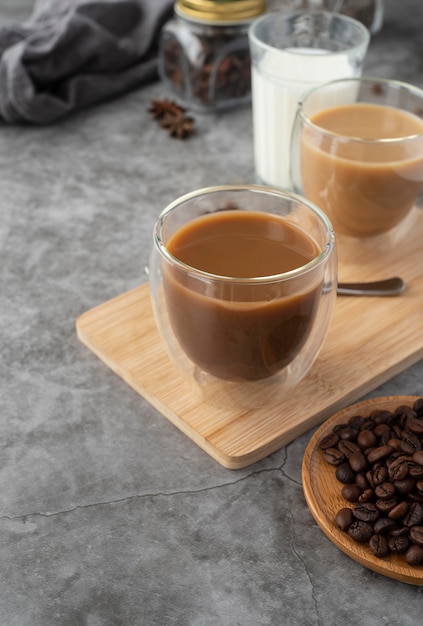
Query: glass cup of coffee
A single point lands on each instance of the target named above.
(357, 152)
(243, 286)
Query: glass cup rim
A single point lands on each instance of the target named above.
(255, 280)
(386, 82)
(340, 17)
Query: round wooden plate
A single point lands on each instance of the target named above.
(323, 495)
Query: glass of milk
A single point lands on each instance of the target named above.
(291, 53)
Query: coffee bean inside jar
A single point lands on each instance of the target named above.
(204, 55)
(379, 461)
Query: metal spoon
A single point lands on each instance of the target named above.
(387, 287)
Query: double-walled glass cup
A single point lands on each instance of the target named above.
(244, 341)
(357, 152)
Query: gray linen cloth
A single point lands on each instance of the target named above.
(74, 53)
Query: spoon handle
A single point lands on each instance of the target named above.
(388, 287)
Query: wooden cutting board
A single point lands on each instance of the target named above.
(369, 341)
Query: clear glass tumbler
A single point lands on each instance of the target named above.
(357, 152)
(244, 340)
(291, 53)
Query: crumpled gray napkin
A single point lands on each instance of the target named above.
(74, 53)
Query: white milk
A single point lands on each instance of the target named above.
(277, 84)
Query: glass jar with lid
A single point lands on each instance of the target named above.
(204, 56)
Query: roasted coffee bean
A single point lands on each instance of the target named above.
(410, 443)
(414, 516)
(367, 424)
(384, 506)
(330, 441)
(369, 478)
(381, 416)
(418, 457)
(394, 442)
(358, 462)
(384, 525)
(415, 471)
(398, 469)
(345, 474)
(405, 486)
(381, 452)
(418, 407)
(360, 531)
(361, 480)
(399, 531)
(404, 411)
(381, 429)
(414, 555)
(419, 486)
(333, 456)
(385, 491)
(415, 425)
(367, 439)
(378, 544)
(366, 512)
(416, 535)
(368, 495)
(356, 421)
(398, 545)
(344, 519)
(399, 510)
(351, 493)
(380, 475)
(347, 433)
(347, 447)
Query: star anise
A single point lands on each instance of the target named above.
(171, 116)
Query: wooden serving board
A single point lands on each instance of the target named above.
(322, 492)
(370, 340)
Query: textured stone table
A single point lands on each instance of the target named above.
(109, 516)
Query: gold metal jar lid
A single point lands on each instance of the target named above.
(220, 10)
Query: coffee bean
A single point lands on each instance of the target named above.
(348, 447)
(398, 511)
(360, 531)
(398, 545)
(358, 462)
(415, 426)
(384, 506)
(330, 441)
(344, 473)
(344, 519)
(405, 486)
(416, 535)
(351, 493)
(418, 407)
(368, 495)
(410, 443)
(414, 555)
(384, 525)
(333, 456)
(379, 453)
(414, 516)
(415, 471)
(418, 457)
(398, 469)
(385, 491)
(366, 439)
(361, 481)
(381, 416)
(366, 512)
(378, 544)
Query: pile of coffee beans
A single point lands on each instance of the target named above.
(379, 461)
